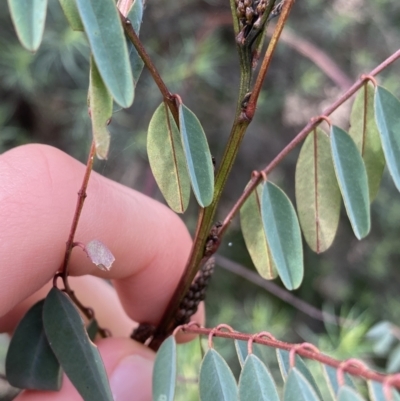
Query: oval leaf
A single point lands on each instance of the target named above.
(99, 254)
(164, 372)
(348, 394)
(284, 366)
(167, 160)
(198, 157)
(216, 381)
(376, 392)
(28, 18)
(317, 192)
(72, 14)
(297, 388)
(30, 362)
(365, 134)
(78, 356)
(241, 351)
(330, 374)
(256, 383)
(254, 235)
(352, 179)
(387, 114)
(283, 234)
(103, 28)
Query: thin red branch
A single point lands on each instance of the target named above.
(314, 122)
(354, 369)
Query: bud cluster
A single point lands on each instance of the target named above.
(249, 12)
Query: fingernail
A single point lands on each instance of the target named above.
(131, 379)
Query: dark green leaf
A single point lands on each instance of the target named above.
(164, 372)
(352, 179)
(317, 192)
(70, 342)
(376, 392)
(332, 381)
(241, 351)
(72, 14)
(167, 159)
(284, 366)
(198, 157)
(28, 18)
(297, 388)
(92, 329)
(283, 234)
(216, 382)
(256, 383)
(100, 103)
(103, 28)
(254, 235)
(365, 134)
(387, 114)
(348, 394)
(30, 362)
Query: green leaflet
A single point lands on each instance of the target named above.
(167, 159)
(30, 362)
(71, 12)
(256, 383)
(254, 235)
(216, 381)
(332, 381)
(241, 351)
(297, 388)
(365, 134)
(317, 192)
(283, 234)
(197, 155)
(348, 394)
(92, 329)
(28, 18)
(100, 103)
(164, 372)
(352, 179)
(387, 114)
(284, 366)
(78, 356)
(376, 392)
(103, 28)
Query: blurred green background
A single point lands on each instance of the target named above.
(326, 47)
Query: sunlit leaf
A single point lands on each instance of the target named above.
(348, 394)
(72, 14)
(352, 179)
(387, 114)
(330, 374)
(254, 235)
(376, 392)
(30, 362)
(164, 372)
(216, 381)
(256, 383)
(284, 366)
(241, 351)
(198, 157)
(103, 28)
(28, 17)
(167, 159)
(317, 192)
(283, 234)
(365, 134)
(78, 356)
(297, 388)
(99, 254)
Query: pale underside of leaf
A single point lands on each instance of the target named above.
(317, 192)
(297, 388)
(365, 134)
(254, 235)
(167, 159)
(346, 393)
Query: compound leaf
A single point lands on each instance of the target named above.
(352, 179)
(317, 192)
(167, 159)
(78, 356)
(297, 388)
(30, 362)
(283, 234)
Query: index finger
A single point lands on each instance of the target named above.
(38, 192)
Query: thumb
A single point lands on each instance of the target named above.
(129, 366)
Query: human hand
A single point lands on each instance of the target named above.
(38, 193)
